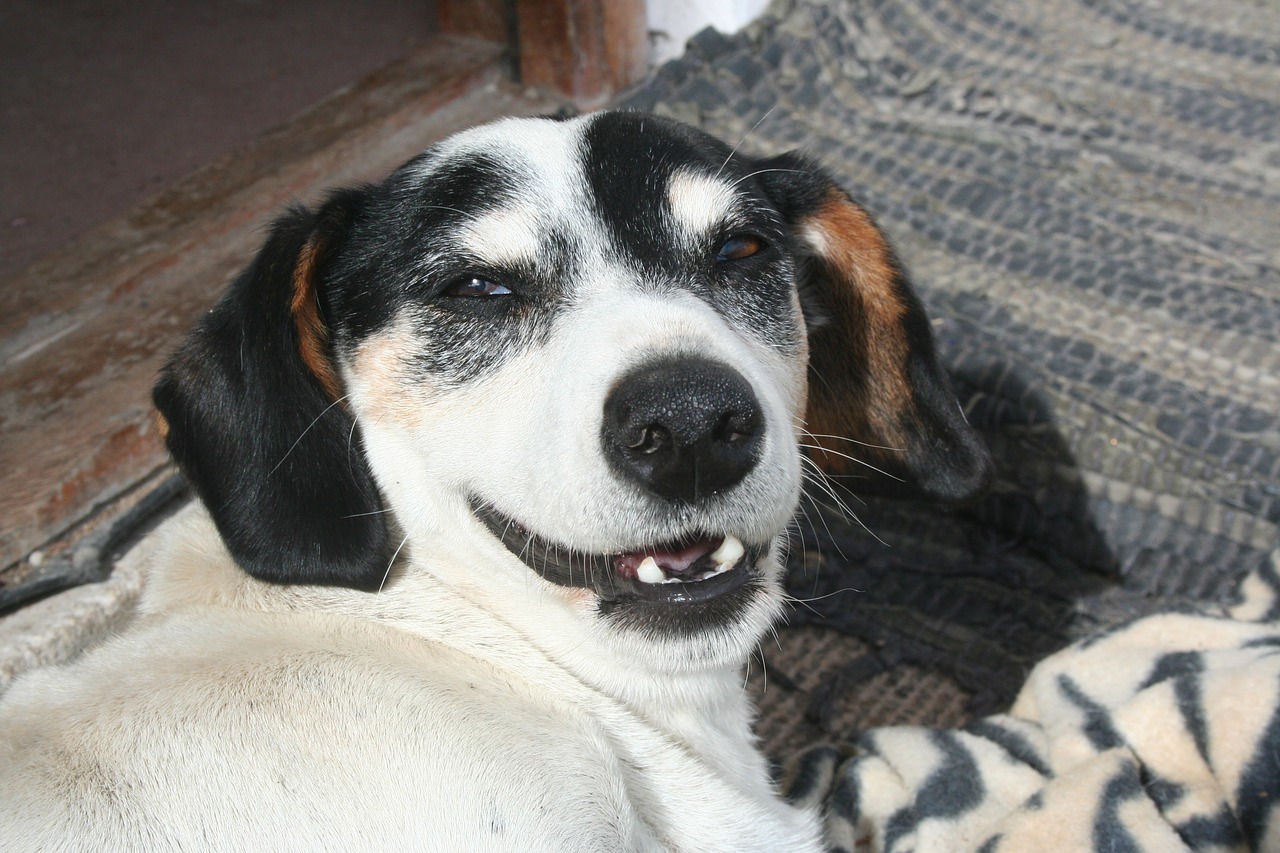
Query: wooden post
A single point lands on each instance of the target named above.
(587, 50)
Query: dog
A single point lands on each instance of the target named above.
(495, 462)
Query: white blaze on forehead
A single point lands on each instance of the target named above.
(508, 235)
(699, 204)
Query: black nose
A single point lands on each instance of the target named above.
(682, 429)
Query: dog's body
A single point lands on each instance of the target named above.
(502, 452)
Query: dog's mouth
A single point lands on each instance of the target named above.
(699, 569)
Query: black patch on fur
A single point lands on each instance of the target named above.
(404, 255)
(629, 159)
(397, 252)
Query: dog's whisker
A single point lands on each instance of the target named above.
(351, 440)
(822, 481)
(804, 560)
(815, 475)
(835, 543)
(366, 514)
(391, 563)
(450, 209)
(297, 441)
(841, 591)
(764, 670)
(834, 501)
(816, 435)
(853, 459)
(753, 129)
(852, 516)
(764, 171)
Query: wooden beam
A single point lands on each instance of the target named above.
(586, 50)
(491, 20)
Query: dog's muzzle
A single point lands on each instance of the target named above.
(683, 431)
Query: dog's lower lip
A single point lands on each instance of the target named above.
(692, 571)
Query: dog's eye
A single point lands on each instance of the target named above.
(738, 247)
(475, 287)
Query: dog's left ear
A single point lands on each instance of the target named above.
(881, 409)
(253, 412)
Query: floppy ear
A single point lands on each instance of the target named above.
(252, 411)
(877, 393)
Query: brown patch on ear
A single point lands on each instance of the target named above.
(162, 425)
(858, 385)
(313, 336)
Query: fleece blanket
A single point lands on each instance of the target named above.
(1156, 736)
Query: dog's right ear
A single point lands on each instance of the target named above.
(253, 412)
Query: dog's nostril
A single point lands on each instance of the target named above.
(651, 439)
(734, 429)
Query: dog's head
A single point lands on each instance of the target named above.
(584, 351)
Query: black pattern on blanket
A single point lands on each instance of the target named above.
(1157, 736)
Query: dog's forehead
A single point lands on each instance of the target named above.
(635, 178)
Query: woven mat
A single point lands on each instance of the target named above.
(1088, 195)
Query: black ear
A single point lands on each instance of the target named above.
(877, 393)
(253, 412)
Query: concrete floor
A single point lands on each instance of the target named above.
(105, 102)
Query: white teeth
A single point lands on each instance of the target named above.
(650, 572)
(729, 552)
(724, 558)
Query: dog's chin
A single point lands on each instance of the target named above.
(701, 583)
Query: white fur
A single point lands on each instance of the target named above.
(698, 204)
(469, 704)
